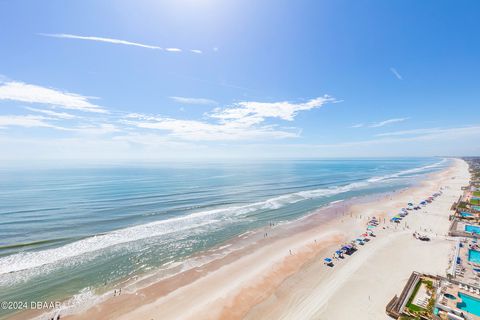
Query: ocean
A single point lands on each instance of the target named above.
(76, 232)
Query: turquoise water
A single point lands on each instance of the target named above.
(476, 208)
(466, 214)
(65, 231)
(472, 229)
(469, 304)
(474, 256)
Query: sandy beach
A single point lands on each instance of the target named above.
(282, 276)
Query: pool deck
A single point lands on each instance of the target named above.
(464, 271)
(457, 228)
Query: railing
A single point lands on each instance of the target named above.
(395, 306)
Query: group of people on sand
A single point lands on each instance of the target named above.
(57, 317)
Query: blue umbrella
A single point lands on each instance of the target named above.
(338, 252)
(327, 260)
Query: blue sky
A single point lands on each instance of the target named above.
(195, 79)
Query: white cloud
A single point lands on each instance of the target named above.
(204, 131)
(386, 122)
(114, 41)
(23, 92)
(34, 121)
(100, 39)
(53, 114)
(431, 132)
(358, 125)
(409, 132)
(256, 112)
(416, 135)
(102, 128)
(396, 74)
(26, 121)
(242, 121)
(186, 100)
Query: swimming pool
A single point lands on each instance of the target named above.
(474, 256)
(472, 229)
(469, 304)
(466, 214)
(476, 208)
(450, 296)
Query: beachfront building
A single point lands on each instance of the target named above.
(435, 297)
(466, 219)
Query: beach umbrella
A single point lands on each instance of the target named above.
(327, 260)
(338, 252)
(365, 235)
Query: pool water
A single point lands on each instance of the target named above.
(466, 214)
(476, 208)
(472, 229)
(469, 304)
(474, 256)
(450, 296)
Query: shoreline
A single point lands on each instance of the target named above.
(366, 281)
(311, 237)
